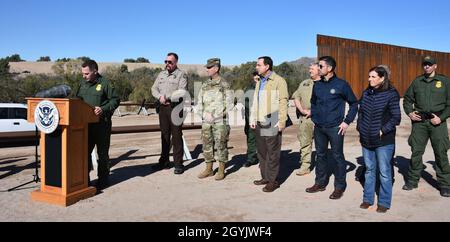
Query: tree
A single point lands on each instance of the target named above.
(284, 69)
(69, 72)
(4, 67)
(63, 60)
(129, 60)
(14, 58)
(240, 76)
(44, 59)
(294, 74)
(123, 69)
(120, 79)
(142, 60)
(142, 80)
(83, 58)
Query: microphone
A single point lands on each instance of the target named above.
(60, 91)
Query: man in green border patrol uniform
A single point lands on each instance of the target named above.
(427, 103)
(302, 99)
(214, 102)
(252, 156)
(101, 95)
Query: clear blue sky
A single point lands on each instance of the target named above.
(236, 30)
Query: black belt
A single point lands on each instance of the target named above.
(263, 126)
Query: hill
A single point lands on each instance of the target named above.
(46, 67)
(305, 61)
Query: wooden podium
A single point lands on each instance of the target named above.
(64, 153)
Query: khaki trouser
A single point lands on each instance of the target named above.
(305, 137)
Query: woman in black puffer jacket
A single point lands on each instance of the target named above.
(378, 116)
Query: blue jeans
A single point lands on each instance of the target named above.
(321, 138)
(378, 157)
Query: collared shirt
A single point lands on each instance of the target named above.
(263, 84)
(166, 83)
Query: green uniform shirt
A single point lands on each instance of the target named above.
(100, 93)
(304, 93)
(429, 95)
(248, 102)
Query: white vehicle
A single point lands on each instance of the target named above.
(13, 118)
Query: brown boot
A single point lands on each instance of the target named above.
(207, 172)
(221, 173)
(271, 186)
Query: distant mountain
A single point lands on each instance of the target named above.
(303, 61)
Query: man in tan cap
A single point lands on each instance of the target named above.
(214, 102)
(427, 103)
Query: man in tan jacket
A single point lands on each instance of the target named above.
(268, 117)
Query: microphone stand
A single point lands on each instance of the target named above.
(36, 178)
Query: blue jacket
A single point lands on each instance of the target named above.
(328, 103)
(378, 110)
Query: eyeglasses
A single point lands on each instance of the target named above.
(168, 62)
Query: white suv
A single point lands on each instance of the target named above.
(13, 118)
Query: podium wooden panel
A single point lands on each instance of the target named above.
(64, 153)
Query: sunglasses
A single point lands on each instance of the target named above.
(321, 66)
(168, 62)
(427, 64)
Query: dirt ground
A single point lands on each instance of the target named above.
(140, 192)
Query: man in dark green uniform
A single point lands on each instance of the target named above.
(252, 158)
(101, 95)
(427, 103)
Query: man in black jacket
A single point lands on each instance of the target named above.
(327, 112)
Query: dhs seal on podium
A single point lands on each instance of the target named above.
(46, 117)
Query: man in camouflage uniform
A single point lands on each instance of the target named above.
(214, 102)
(302, 99)
(101, 95)
(427, 103)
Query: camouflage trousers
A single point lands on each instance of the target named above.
(305, 137)
(215, 140)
